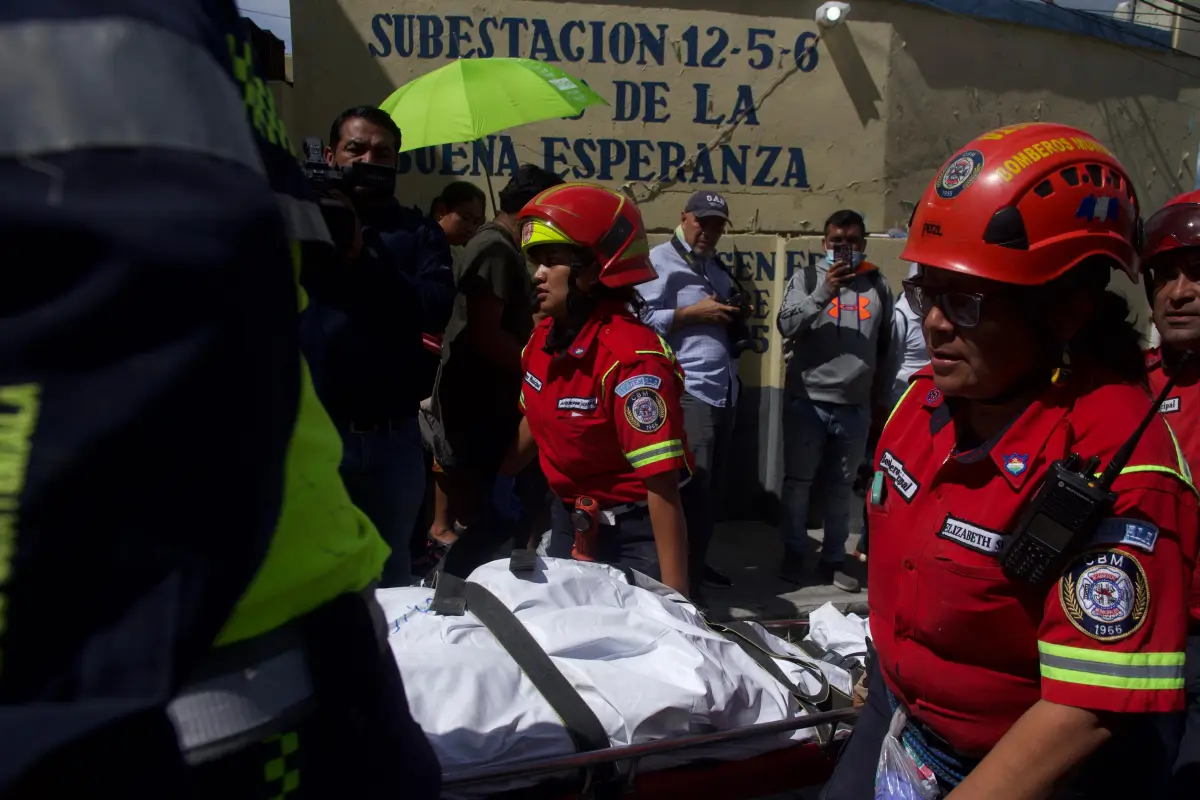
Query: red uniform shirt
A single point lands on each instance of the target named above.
(1181, 410)
(605, 412)
(969, 651)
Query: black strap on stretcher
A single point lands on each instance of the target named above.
(453, 597)
(828, 699)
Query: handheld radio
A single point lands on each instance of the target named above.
(1070, 503)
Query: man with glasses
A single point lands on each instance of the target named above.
(1171, 263)
(836, 320)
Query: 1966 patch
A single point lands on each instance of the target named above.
(645, 410)
(958, 174)
(1105, 594)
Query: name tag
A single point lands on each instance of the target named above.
(905, 484)
(972, 536)
(578, 404)
(532, 381)
(1169, 406)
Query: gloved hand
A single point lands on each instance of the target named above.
(504, 498)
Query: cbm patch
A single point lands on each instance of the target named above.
(1105, 594)
(960, 173)
(645, 410)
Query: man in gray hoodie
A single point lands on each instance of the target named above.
(836, 321)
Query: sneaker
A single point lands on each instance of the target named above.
(792, 569)
(832, 574)
(715, 579)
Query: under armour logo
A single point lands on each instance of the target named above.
(836, 308)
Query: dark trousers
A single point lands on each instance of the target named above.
(487, 535)
(854, 776)
(358, 740)
(629, 544)
(709, 431)
(1187, 765)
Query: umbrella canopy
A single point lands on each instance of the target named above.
(472, 97)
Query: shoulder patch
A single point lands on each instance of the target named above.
(636, 382)
(1122, 530)
(645, 410)
(1105, 594)
(533, 381)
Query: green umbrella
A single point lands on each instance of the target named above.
(472, 97)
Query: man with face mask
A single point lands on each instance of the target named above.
(836, 320)
(691, 304)
(362, 333)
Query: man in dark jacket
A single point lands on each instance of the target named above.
(362, 336)
(480, 377)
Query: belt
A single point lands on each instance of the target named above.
(610, 513)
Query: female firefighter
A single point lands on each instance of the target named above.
(1004, 683)
(601, 390)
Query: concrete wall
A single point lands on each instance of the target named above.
(709, 94)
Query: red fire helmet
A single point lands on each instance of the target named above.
(1025, 203)
(1175, 225)
(590, 216)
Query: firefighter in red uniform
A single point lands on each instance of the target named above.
(1171, 265)
(1014, 688)
(601, 391)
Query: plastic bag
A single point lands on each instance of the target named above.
(898, 776)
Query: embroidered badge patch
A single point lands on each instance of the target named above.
(1105, 594)
(972, 536)
(1169, 406)
(905, 484)
(532, 381)
(1016, 463)
(645, 410)
(960, 173)
(1122, 530)
(636, 382)
(578, 404)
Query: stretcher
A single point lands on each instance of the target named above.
(580, 680)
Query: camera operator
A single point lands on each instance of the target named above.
(693, 305)
(362, 329)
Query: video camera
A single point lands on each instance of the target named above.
(740, 340)
(362, 178)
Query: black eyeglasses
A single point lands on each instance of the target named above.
(961, 308)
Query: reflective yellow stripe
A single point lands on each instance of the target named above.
(652, 454)
(898, 404)
(117, 82)
(522, 398)
(1135, 671)
(258, 101)
(19, 418)
(604, 377)
(1184, 466)
(1163, 470)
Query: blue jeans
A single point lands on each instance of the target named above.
(822, 443)
(384, 472)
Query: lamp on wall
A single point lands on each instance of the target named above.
(831, 14)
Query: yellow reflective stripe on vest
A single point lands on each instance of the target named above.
(1184, 467)
(302, 219)
(899, 403)
(1164, 471)
(116, 83)
(1095, 667)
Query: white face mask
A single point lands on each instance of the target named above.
(856, 258)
